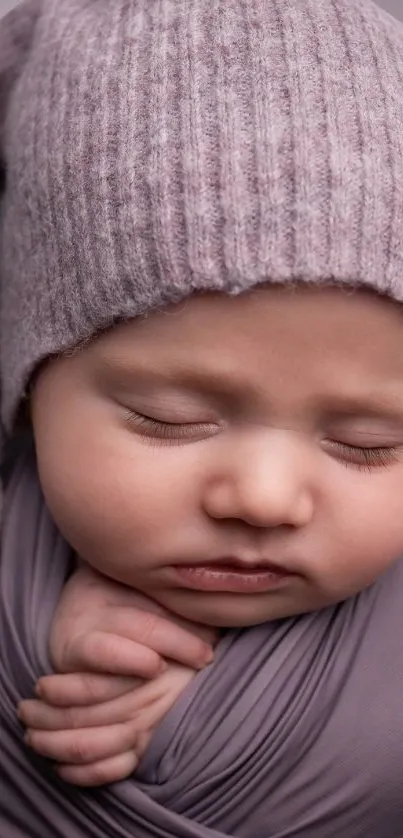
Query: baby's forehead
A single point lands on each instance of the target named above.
(320, 341)
(268, 311)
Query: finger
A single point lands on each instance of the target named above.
(102, 651)
(41, 716)
(79, 747)
(38, 715)
(83, 688)
(99, 773)
(155, 632)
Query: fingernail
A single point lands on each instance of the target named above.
(208, 656)
(38, 690)
(162, 667)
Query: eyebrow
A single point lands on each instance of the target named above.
(337, 406)
(359, 406)
(366, 407)
(205, 381)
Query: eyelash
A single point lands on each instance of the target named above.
(171, 433)
(367, 458)
(161, 433)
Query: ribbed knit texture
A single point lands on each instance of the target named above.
(157, 147)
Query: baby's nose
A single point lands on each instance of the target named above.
(266, 486)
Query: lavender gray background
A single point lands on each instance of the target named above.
(393, 6)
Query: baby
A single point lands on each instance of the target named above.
(236, 487)
(201, 316)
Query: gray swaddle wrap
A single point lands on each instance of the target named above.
(295, 731)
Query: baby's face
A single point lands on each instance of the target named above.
(274, 435)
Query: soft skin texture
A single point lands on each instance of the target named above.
(267, 458)
(99, 726)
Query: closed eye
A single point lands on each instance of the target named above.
(169, 432)
(365, 458)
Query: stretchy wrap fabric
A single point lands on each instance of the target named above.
(295, 731)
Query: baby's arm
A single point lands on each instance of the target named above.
(97, 718)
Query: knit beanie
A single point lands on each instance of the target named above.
(155, 148)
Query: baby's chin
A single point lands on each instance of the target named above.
(229, 610)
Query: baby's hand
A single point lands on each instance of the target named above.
(103, 626)
(103, 743)
(98, 725)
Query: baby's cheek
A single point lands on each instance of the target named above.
(379, 523)
(109, 518)
(363, 555)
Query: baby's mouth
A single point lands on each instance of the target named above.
(232, 575)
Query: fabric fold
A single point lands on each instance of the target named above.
(293, 732)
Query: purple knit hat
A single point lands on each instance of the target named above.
(153, 148)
